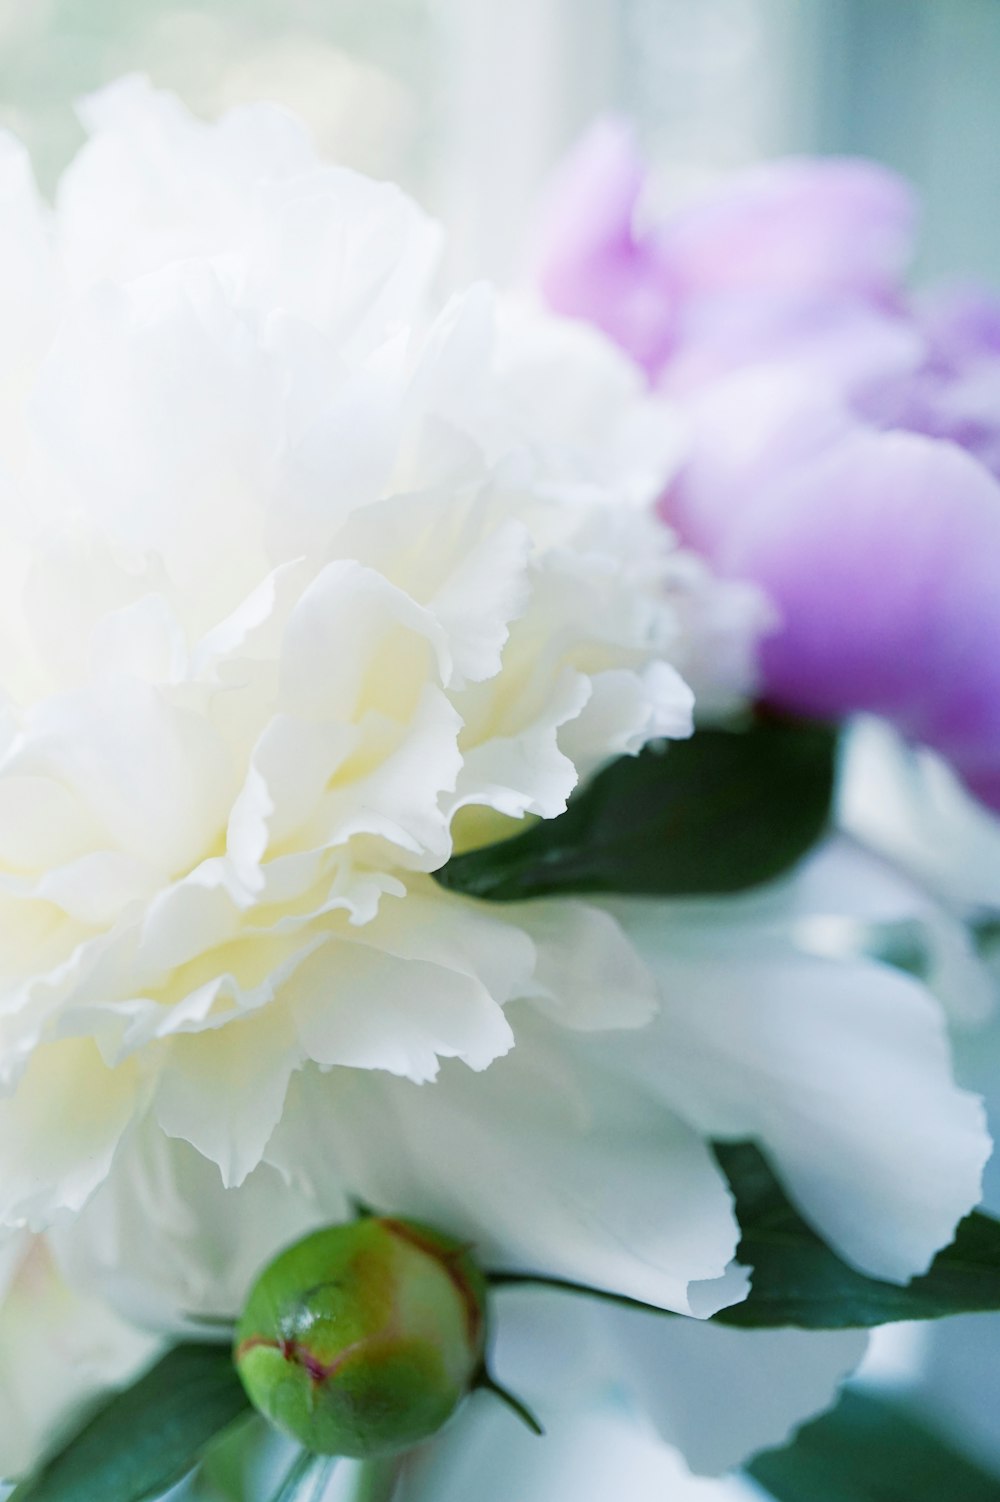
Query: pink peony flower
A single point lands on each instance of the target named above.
(844, 437)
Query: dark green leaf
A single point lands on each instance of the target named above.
(866, 1450)
(147, 1437)
(798, 1280)
(722, 812)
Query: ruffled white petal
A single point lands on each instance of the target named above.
(168, 1246)
(362, 1007)
(153, 779)
(59, 1130)
(223, 1088)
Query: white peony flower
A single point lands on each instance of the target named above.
(293, 594)
(304, 585)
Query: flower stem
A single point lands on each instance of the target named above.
(565, 1285)
(513, 1402)
(377, 1481)
(306, 1478)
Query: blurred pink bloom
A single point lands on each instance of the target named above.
(593, 265)
(779, 256)
(844, 438)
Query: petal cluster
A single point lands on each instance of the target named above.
(304, 581)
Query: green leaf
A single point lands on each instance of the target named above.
(867, 1450)
(230, 1460)
(721, 812)
(798, 1280)
(147, 1437)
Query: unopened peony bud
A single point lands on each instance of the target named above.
(362, 1339)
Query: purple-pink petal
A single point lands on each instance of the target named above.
(826, 224)
(590, 262)
(845, 447)
(881, 552)
(774, 249)
(846, 440)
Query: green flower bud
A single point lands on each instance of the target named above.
(362, 1339)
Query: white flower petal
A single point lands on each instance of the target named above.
(587, 975)
(626, 711)
(720, 1394)
(163, 1239)
(354, 634)
(840, 1069)
(223, 1089)
(167, 367)
(343, 431)
(905, 802)
(458, 557)
(56, 1144)
(154, 184)
(526, 772)
(716, 1394)
(399, 799)
(243, 628)
(845, 885)
(42, 825)
(97, 888)
(356, 1004)
(155, 778)
(59, 1351)
(186, 919)
(348, 256)
(293, 762)
(589, 1456)
(477, 939)
(142, 640)
(585, 405)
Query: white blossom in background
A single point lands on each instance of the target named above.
(905, 802)
(304, 582)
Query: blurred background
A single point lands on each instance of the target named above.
(471, 103)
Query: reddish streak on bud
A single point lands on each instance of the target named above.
(471, 1305)
(292, 1351)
